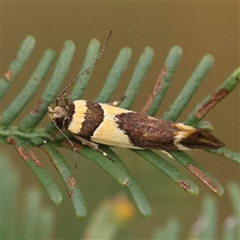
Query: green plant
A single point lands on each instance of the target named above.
(23, 213)
(25, 216)
(207, 224)
(27, 135)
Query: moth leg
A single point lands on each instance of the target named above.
(156, 89)
(167, 153)
(116, 103)
(92, 145)
(51, 138)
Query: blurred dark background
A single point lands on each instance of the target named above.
(198, 28)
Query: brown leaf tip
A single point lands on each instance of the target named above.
(8, 75)
(21, 151)
(72, 182)
(184, 185)
(197, 172)
(214, 99)
(35, 159)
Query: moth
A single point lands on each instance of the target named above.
(94, 123)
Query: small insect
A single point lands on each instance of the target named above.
(94, 123)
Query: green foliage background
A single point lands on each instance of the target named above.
(199, 28)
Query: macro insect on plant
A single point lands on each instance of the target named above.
(99, 122)
(93, 122)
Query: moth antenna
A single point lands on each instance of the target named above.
(88, 68)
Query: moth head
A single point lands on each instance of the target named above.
(57, 113)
